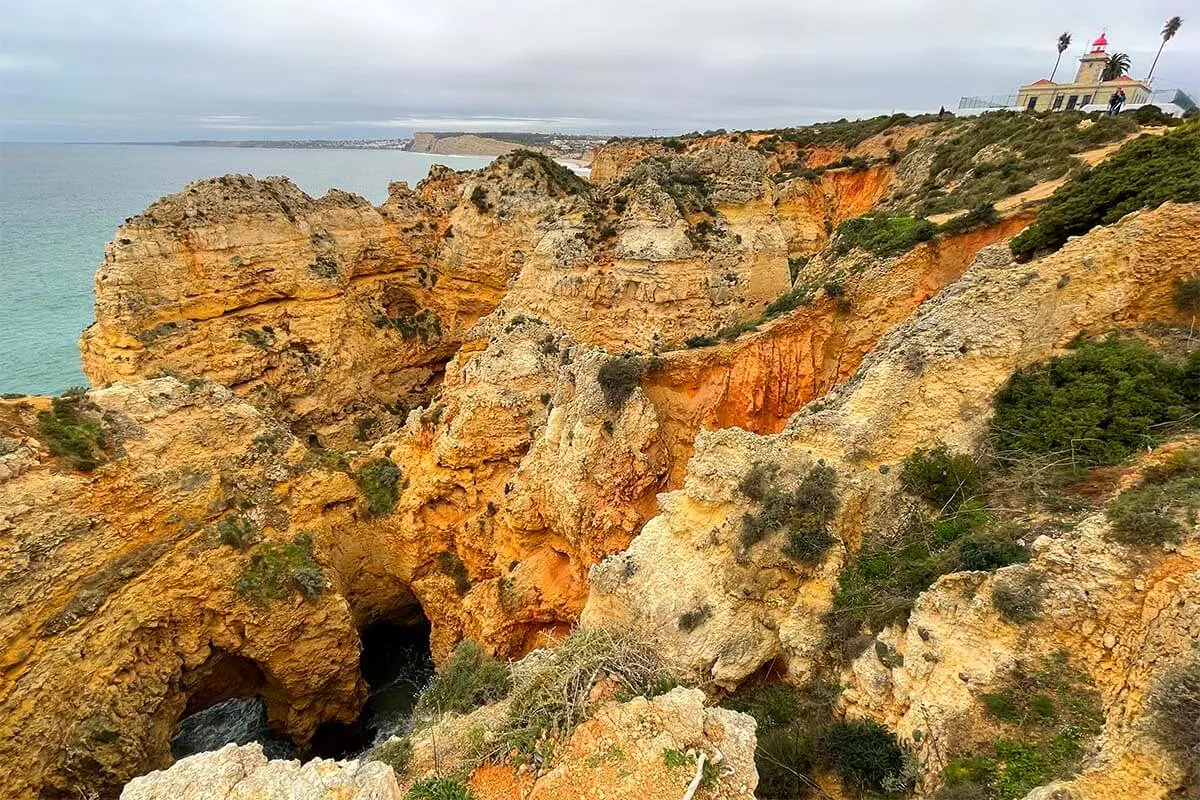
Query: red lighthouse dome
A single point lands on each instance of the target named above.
(1100, 44)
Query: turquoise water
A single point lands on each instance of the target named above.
(59, 204)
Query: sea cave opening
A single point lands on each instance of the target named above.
(396, 662)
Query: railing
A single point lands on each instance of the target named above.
(1176, 96)
(992, 101)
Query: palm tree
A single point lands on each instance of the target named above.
(1118, 65)
(1064, 42)
(1168, 33)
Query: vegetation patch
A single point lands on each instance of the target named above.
(1096, 405)
(799, 738)
(396, 753)
(677, 759)
(561, 180)
(550, 696)
(1005, 153)
(263, 338)
(238, 532)
(277, 571)
(451, 565)
(1172, 711)
(1047, 713)
(951, 533)
(620, 375)
(440, 789)
(424, 325)
(1143, 174)
(1155, 511)
(71, 433)
(882, 234)
(804, 511)
(470, 678)
(379, 481)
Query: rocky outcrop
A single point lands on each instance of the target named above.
(325, 311)
(119, 608)
(244, 773)
(931, 379)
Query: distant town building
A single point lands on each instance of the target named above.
(1087, 88)
(1086, 93)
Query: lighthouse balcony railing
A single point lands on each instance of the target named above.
(988, 101)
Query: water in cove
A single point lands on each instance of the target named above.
(60, 203)
(395, 663)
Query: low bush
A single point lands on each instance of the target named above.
(379, 481)
(1187, 296)
(1096, 405)
(278, 570)
(236, 532)
(550, 695)
(1173, 715)
(470, 678)
(440, 789)
(452, 566)
(978, 217)
(789, 301)
(884, 579)
(1155, 511)
(1143, 174)
(396, 753)
(798, 738)
(1018, 598)
(424, 325)
(479, 198)
(864, 754)
(619, 376)
(1046, 712)
(560, 179)
(943, 479)
(882, 234)
(804, 512)
(71, 433)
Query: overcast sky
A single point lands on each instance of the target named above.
(74, 70)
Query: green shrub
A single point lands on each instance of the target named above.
(1172, 712)
(440, 789)
(619, 376)
(1187, 296)
(452, 566)
(978, 217)
(864, 753)
(773, 705)
(884, 579)
(1019, 598)
(804, 512)
(70, 433)
(1154, 512)
(396, 753)
(236, 532)
(379, 480)
(789, 301)
(424, 325)
(703, 340)
(882, 234)
(943, 479)
(1096, 405)
(690, 620)
(278, 570)
(677, 759)
(1143, 174)
(470, 678)
(479, 198)
(550, 696)
(1046, 713)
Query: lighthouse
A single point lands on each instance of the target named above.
(1091, 65)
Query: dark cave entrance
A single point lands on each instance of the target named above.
(227, 703)
(396, 663)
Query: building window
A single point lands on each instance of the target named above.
(1087, 100)
(1072, 102)
(1032, 104)
(1057, 102)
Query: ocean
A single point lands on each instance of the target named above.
(59, 204)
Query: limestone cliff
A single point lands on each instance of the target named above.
(508, 401)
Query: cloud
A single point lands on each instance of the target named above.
(127, 69)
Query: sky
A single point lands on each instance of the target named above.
(124, 70)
